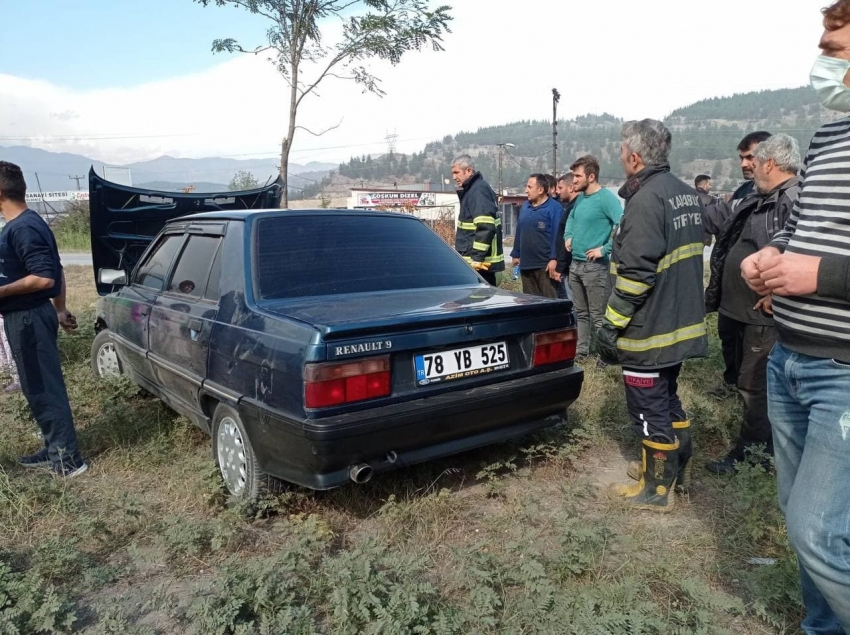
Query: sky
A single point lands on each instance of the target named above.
(131, 80)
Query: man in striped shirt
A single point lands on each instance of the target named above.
(807, 269)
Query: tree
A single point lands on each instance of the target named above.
(243, 180)
(383, 29)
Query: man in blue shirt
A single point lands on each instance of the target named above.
(32, 301)
(535, 242)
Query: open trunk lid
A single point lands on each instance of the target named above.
(125, 219)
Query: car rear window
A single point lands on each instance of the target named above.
(301, 256)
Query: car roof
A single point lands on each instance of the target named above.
(247, 215)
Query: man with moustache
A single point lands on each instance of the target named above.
(714, 220)
(758, 218)
(535, 243)
(567, 195)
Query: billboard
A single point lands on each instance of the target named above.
(56, 197)
(395, 199)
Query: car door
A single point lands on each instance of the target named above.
(182, 317)
(132, 305)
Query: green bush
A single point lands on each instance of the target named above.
(73, 229)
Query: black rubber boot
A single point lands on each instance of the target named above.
(659, 469)
(686, 453)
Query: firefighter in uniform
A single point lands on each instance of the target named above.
(479, 229)
(655, 318)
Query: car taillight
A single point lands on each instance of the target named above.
(338, 383)
(554, 346)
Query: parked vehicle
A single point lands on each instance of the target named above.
(323, 346)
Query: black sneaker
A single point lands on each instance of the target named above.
(722, 392)
(70, 469)
(39, 459)
(723, 467)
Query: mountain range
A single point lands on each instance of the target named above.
(705, 136)
(53, 171)
(705, 139)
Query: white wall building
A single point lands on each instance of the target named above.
(423, 204)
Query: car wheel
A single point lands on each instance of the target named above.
(104, 356)
(235, 457)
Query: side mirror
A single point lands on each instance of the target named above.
(111, 276)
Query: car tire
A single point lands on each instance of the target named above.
(237, 464)
(104, 356)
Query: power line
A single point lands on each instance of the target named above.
(107, 137)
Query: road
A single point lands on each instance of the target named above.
(69, 259)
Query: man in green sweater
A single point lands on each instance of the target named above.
(591, 224)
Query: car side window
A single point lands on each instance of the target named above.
(213, 292)
(152, 273)
(193, 267)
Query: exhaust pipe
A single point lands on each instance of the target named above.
(360, 473)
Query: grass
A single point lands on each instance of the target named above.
(73, 229)
(73, 241)
(515, 538)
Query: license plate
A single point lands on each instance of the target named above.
(461, 363)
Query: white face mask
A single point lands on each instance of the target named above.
(827, 79)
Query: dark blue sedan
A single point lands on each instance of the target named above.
(322, 346)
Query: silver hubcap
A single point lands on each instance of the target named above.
(231, 456)
(107, 361)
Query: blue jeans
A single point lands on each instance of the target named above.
(809, 407)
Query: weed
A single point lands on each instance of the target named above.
(492, 474)
(750, 499)
(112, 620)
(30, 605)
(188, 539)
(425, 519)
(582, 545)
(526, 547)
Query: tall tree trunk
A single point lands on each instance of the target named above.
(286, 146)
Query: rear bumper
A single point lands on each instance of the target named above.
(318, 453)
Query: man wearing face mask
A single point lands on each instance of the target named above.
(758, 218)
(807, 269)
(655, 318)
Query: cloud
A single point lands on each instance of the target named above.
(66, 115)
(500, 64)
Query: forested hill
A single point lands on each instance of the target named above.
(705, 135)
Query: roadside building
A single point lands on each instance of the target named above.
(424, 204)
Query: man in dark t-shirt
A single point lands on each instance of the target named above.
(32, 302)
(567, 197)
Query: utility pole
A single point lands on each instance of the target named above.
(77, 179)
(502, 147)
(556, 97)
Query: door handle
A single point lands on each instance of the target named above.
(195, 324)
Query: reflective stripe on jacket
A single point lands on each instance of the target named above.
(479, 229)
(657, 263)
